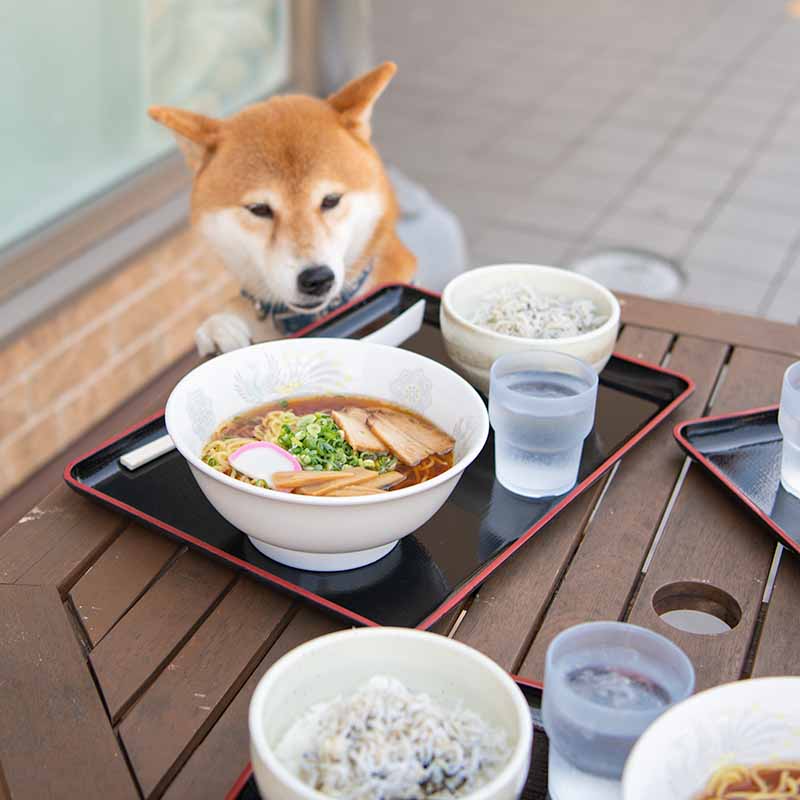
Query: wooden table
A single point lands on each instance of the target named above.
(128, 663)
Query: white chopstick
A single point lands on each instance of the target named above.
(134, 459)
(401, 328)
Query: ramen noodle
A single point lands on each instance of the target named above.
(353, 435)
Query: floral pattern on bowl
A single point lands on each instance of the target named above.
(269, 377)
(463, 431)
(200, 409)
(412, 388)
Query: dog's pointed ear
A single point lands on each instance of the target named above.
(196, 134)
(355, 100)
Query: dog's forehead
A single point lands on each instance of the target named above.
(298, 143)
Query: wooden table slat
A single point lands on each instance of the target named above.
(608, 562)
(55, 738)
(144, 640)
(644, 343)
(223, 754)
(118, 578)
(778, 652)
(56, 540)
(708, 539)
(509, 605)
(196, 686)
(753, 380)
(708, 323)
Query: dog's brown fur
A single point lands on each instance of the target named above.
(285, 152)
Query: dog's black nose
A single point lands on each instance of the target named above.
(315, 280)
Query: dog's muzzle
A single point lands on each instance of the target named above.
(315, 281)
(289, 322)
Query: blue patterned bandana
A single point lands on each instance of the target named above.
(289, 322)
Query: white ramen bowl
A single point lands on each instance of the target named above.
(474, 349)
(323, 533)
(337, 664)
(748, 722)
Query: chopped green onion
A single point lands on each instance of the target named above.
(318, 443)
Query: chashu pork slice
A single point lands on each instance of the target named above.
(353, 421)
(408, 450)
(436, 440)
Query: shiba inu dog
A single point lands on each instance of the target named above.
(295, 200)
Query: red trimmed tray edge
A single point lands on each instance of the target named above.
(470, 585)
(235, 790)
(694, 453)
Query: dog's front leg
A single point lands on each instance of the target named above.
(235, 326)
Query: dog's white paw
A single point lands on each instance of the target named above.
(221, 333)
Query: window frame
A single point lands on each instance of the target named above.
(31, 258)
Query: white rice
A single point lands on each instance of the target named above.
(519, 311)
(384, 742)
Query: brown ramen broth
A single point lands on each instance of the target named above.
(363, 433)
(779, 781)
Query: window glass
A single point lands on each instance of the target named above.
(78, 78)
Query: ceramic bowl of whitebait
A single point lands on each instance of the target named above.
(388, 712)
(509, 308)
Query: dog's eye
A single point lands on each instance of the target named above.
(330, 201)
(261, 210)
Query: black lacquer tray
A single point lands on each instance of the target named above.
(535, 788)
(743, 452)
(430, 571)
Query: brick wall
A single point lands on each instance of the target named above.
(73, 368)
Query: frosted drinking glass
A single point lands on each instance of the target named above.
(541, 406)
(605, 682)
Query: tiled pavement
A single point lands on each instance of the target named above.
(554, 128)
